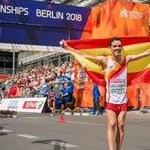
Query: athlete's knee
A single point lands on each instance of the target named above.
(112, 124)
(121, 126)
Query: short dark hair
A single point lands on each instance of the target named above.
(115, 38)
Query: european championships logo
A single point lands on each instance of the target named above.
(124, 13)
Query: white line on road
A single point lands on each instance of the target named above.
(30, 118)
(63, 144)
(95, 124)
(28, 136)
(6, 131)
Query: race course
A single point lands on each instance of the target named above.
(45, 132)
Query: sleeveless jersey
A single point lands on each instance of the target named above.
(116, 82)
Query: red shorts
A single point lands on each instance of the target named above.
(117, 108)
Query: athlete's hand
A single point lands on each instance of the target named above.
(63, 43)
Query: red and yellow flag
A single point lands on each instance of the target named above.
(138, 71)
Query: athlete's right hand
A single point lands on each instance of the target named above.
(63, 43)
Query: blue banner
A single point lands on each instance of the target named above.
(36, 35)
(43, 14)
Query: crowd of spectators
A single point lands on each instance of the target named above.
(53, 82)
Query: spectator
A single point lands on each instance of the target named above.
(66, 93)
(96, 98)
(51, 99)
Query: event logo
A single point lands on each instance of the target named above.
(124, 13)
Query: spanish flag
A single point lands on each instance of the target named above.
(138, 71)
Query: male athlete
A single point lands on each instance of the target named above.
(115, 68)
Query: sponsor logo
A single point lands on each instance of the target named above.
(40, 104)
(13, 104)
(124, 13)
(118, 86)
(30, 105)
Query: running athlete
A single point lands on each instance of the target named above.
(115, 68)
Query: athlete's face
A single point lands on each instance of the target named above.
(116, 48)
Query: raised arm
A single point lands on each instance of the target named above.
(64, 45)
(101, 60)
(139, 56)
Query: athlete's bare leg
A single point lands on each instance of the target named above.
(120, 129)
(111, 125)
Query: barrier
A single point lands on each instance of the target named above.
(34, 105)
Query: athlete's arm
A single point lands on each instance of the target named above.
(99, 59)
(139, 56)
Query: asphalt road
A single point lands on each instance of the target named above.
(45, 132)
